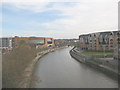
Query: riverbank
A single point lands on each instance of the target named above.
(59, 70)
(25, 83)
(15, 62)
(97, 63)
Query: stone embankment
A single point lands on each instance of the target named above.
(106, 65)
(25, 83)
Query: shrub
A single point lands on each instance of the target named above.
(14, 64)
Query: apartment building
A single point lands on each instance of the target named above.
(6, 43)
(101, 41)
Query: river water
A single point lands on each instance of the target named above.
(59, 70)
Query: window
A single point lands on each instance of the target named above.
(111, 36)
(37, 41)
(49, 41)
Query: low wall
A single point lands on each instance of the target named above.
(25, 83)
(95, 63)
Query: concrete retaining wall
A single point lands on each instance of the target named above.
(99, 66)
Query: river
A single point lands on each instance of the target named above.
(59, 70)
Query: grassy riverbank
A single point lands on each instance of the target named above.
(18, 64)
(14, 64)
(96, 53)
(99, 64)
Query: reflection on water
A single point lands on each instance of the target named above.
(59, 70)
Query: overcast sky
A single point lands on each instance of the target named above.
(58, 18)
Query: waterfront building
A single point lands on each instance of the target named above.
(38, 41)
(116, 53)
(11, 42)
(100, 41)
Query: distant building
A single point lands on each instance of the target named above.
(6, 43)
(11, 42)
(38, 41)
(75, 40)
(116, 53)
(101, 41)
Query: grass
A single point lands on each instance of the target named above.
(93, 62)
(96, 53)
